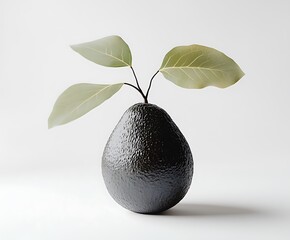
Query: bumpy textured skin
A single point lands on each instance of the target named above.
(147, 164)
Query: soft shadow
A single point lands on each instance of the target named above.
(199, 210)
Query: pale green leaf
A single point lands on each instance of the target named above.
(197, 66)
(110, 51)
(79, 99)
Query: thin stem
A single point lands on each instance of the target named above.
(131, 85)
(138, 86)
(147, 93)
(139, 90)
(136, 78)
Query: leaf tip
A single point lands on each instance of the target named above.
(73, 47)
(242, 73)
(49, 124)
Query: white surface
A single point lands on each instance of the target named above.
(50, 181)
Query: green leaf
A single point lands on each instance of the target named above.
(197, 66)
(110, 51)
(79, 99)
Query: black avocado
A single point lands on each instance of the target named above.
(147, 164)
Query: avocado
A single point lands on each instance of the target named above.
(147, 164)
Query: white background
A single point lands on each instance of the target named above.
(50, 180)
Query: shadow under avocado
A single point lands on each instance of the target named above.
(200, 210)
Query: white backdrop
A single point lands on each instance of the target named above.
(50, 180)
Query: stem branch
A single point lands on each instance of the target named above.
(135, 77)
(147, 93)
(138, 86)
(138, 89)
(131, 85)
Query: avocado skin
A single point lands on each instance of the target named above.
(147, 164)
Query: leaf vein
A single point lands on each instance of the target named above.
(88, 99)
(107, 54)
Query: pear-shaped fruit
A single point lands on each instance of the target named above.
(147, 164)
